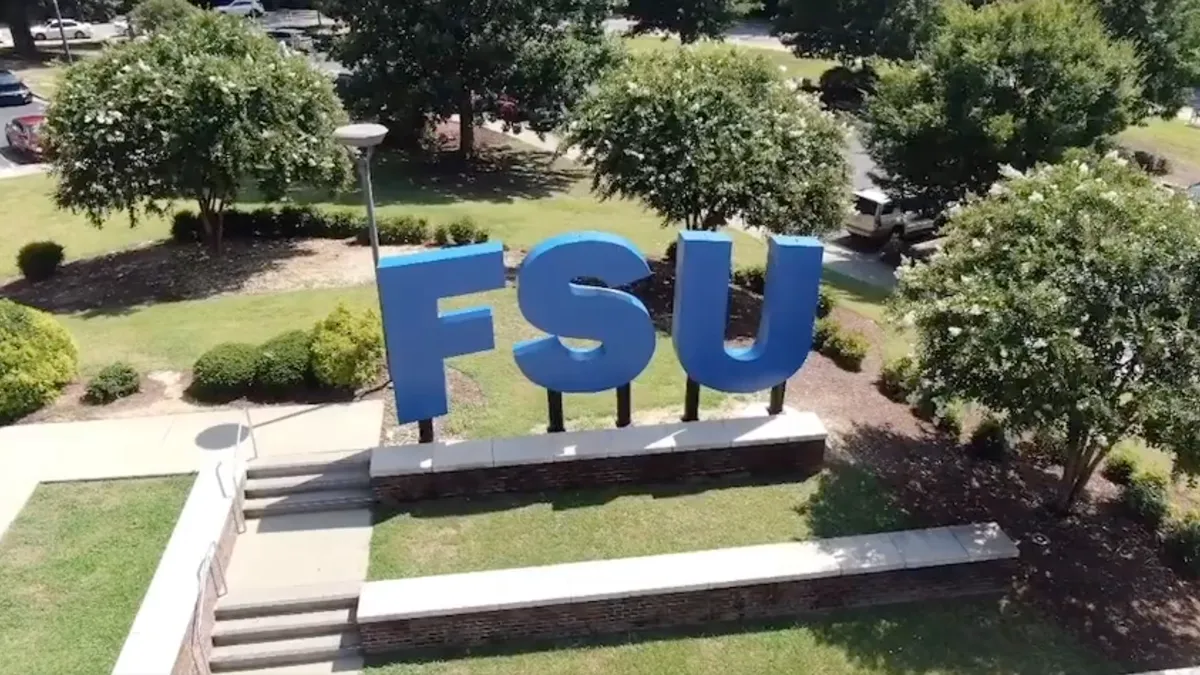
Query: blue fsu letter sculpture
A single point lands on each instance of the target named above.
(419, 339)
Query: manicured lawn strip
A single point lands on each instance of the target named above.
(30, 215)
(459, 535)
(791, 65)
(74, 567)
(1174, 138)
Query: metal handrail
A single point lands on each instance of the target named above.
(210, 566)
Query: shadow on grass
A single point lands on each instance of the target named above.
(499, 174)
(849, 501)
(116, 283)
(1097, 573)
(562, 500)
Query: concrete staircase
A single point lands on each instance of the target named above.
(280, 631)
(307, 484)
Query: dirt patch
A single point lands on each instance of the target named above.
(462, 390)
(160, 393)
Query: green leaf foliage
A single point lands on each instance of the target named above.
(284, 365)
(194, 112)
(39, 260)
(347, 349)
(519, 61)
(152, 16)
(844, 29)
(37, 357)
(689, 19)
(1013, 83)
(1067, 299)
(224, 372)
(1166, 35)
(703, 136)
(114, 381)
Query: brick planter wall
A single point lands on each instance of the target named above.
(532, 625)
(185, 662)
(796, 458)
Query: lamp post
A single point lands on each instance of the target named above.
(364, 138)
(61, 32)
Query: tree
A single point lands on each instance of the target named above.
(194, 113)
(16, 12)
(520, 61)
(1067, 299)
(1166, 34)
(150, 16)
(847, 29)
(704, 136)
(1012, 83)
(689, 19)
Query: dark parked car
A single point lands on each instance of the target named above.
(24, 134)
(12, 90)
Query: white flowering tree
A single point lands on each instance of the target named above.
(703, 136)
(195, 112)
(1068, 299)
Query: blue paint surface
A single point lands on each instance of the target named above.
(702, 272)
(618, 320)
(418, 339)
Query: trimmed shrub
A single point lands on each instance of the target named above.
(284, 365)
(114, 381)
(1182, 541)
(990, 441)
(347, 349)
(224, 372)
(823, 329)
(950, 421)
(898, 378)
(401, 231)
(186, 227)
(289, 222)
(847, 349)
(463, 231)
(825, 302)
(39, 260)
(752, 278)
(1145, 498)
(37, 357)
(340, 225)
(1120, 465)
(481, 236)
(669, 255)
(441, 235)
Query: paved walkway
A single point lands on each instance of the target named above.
(864, 267)
(170, 444)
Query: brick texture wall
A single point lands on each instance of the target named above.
(697, 608)
(185, 662)
(799, 458)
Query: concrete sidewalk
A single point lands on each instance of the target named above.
(171, 444)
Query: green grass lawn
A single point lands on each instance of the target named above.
(458, 535)
(74, 567)
(1174, 138)
(791, 65)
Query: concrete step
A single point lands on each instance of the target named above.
(347, 665)
(288, 600)
(309, 464)
(278, 486)
(282, 626)
(284, 652)
(308, 502)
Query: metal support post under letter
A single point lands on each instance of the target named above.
(554, 406)
(777, 393)
(425, 431)
(624, 405)
(691, 401)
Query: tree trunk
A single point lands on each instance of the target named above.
(214, 229)
(18, 26)
(466, 125)
(1082, 461)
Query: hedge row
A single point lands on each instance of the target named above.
(299, 222)
(344, 351)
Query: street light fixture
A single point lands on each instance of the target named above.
(364, 138)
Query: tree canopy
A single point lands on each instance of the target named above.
(704, 136)
(1014, 83)
(519, 61)
(689, 19)
(1067, 299)
(1166, 34)
(847, 29)
(150, 16)
(193, 113)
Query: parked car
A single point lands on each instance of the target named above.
(877, 218)
(250, 8)
(77, 30)
(1193, 192)
(121, 26)
(291, 38)
(24, 134)
(12, 90)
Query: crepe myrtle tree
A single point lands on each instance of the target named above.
(704, 136)
(1068, 299)
(196, 112)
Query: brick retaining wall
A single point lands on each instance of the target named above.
(797, 458)
(532, 625)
